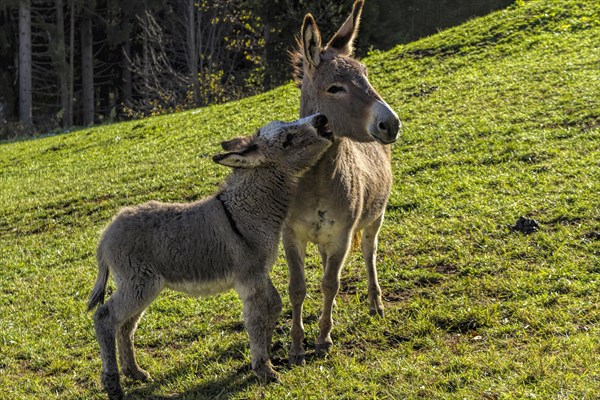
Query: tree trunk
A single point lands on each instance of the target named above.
(125, 88)
(25, 95)
(61, 63)
(266, 56)
(193, 51)
(87, 67)
(69, 110)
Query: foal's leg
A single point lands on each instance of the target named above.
(105, 326)
(130, 299)
(260, 310)
(369, 251)
(295, 252)
(275, 306)
(129, 365)
(335, 256)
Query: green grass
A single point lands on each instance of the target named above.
(502, 119)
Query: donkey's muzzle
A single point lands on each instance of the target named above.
(385, 124)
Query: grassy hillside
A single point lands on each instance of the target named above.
(502, 119)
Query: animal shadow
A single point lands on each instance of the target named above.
(222, 387)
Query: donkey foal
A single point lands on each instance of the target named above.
(228, 240)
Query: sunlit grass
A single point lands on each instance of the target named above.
(502, 119)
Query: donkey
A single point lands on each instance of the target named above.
(229, 240)
(347, 190)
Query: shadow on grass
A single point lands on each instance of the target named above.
(225, 385)
(221, 388)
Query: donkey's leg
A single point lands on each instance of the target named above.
(323, 254)
(129, 365)
(369, 251)
(330, 284)
(130, 299)
(260, 307)
(295, 251)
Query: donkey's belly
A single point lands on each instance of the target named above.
(202, 288)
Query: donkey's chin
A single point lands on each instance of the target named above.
(383, 139)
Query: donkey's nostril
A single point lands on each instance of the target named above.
(382, 127)
(320, 121)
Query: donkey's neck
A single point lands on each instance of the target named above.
(257, 204)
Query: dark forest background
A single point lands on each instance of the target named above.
(67, 63)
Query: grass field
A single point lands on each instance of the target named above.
(502, 119)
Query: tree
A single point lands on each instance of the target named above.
(62, 67)
(68, 62)
(192, 52)
(25, 93)
(87, 66)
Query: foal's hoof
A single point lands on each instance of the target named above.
(111, 384)
(138, 375)
(322, 349)
(377, 311)
(297, 359)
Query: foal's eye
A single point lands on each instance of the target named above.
(336, 89)
(257, 133)
(289, 140)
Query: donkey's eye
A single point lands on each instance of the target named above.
(336, 89)
(257, 133)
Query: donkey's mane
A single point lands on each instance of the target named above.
(297, 61)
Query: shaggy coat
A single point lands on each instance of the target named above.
(225, 241)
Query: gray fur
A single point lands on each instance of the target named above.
(228, 240)
(347, 190)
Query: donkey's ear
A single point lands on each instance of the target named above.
(343, 40)
(311, 40)
(237, 144)
(248, 157)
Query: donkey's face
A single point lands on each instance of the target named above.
(335, 84)
(291, 146)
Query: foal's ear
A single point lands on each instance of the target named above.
(311, 40)
(247, 157)
(343, 40)
(237, 144)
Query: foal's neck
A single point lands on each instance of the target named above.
(258, 200)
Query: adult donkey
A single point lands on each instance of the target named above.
(347, 190)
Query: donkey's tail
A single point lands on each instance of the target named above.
(97, 295)
(356, 240)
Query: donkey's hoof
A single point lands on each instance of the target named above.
(297, 359)
(377, 311)
(138, 375)
(110, 382)
(266, 374)
(322, 349)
